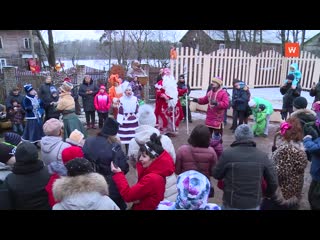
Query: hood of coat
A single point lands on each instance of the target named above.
(163, 166)
(49, 143)
(66, 187)
(305, 115)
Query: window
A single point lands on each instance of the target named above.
(1, 44)
(3, 62)
(27, 43)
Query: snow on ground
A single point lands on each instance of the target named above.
(271, 94)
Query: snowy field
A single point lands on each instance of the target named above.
(271, 94)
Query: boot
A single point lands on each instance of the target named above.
(93, 126)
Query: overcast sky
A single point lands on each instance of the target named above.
(172, 35)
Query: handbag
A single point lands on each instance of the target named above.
(211, 192)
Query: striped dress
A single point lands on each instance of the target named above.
(127, 118)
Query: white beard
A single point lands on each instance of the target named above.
(171, 89)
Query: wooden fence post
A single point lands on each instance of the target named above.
(206, 72)
(252, 72)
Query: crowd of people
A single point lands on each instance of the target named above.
(49, 161)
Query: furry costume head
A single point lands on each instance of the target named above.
(113, 79)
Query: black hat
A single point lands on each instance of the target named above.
(12, 138)
(300, 103)
(262, 107)
(79, 166)
(181, 76)
(6, 152)
(110, 127)
(26, 152)
(290, 77)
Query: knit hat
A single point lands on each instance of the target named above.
(300, 103)
(67, 79)
(243, 132)
(146, 115)
(70, 153)
(316, 106)
(290, 77)
(53, 89)
(252, 103)
(26, 152)
(6, 152)
(52, 127)
(110, 127)
(193, 191)
(28, 88)
(66, 86)
(217, 80)
(12, 138)
(76, 138)
(79, 166)
(103, 87)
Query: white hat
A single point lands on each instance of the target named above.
(252, 103)
(146, 115)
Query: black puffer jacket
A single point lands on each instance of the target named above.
(289, 95)
(242, 167)
(88, 99)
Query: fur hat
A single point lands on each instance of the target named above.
(146, 115)
(300, 103)
(217, 80)
(243, 132)
(28, 88)
(52, 127)
(76, 138)
(70, 153)
(66, 86)
(26, 152)
(252, 103)
(290, 77)
(79, 166)
(110, 127)
(12, 138)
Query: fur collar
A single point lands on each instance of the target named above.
(298, 145)
(303, 111)
(67, 186)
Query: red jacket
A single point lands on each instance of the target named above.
(102, 102)
(149, 190)
(49, 189)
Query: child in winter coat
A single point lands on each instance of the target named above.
(296, 73)
(102, 104)
(16, 115)
(260, 121)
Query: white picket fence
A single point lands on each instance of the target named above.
(268, 69)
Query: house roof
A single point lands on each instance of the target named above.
(312, 38)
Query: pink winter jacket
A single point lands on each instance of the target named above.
(102, 102)
(215, 114)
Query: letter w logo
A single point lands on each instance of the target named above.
(292, 50)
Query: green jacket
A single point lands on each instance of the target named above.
(255, 110)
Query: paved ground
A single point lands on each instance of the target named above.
(198, 118)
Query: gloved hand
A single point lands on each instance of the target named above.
(214, 102)
(195, 100)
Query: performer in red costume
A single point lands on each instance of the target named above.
(168, 109)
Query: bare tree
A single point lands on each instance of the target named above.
(106, 40)
(48, 50)
(303, 38)
(122, 47)
(139, 39)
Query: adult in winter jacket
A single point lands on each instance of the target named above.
(88, 89)
(26, 183)
(100, 150)
(242, 167)
(82, 189)
(147, 122)
(218, 102)
(290, 161)
(154, 165)
(14, 95)
(52, 144)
